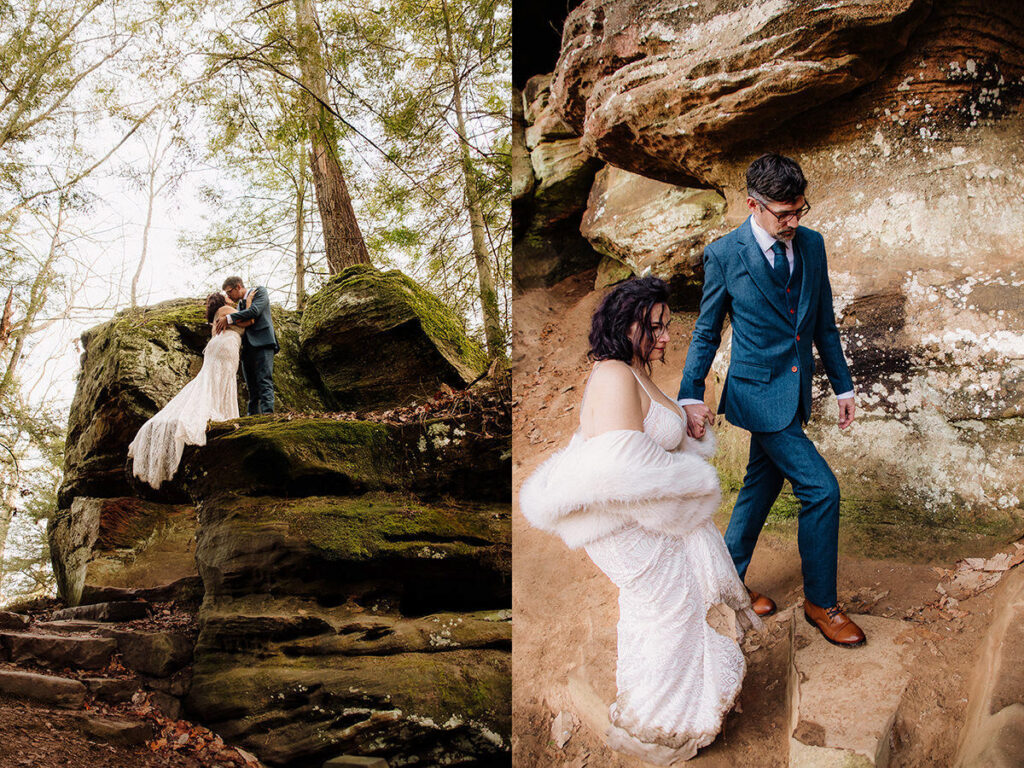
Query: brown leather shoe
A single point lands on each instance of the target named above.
(834, 625)
(762, 604)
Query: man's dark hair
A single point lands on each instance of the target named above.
(775, 178)
(630, 302)
(231, 282)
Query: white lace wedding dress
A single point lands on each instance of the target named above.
(677, 677)
(211, 395)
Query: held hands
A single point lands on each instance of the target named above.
(696, 417)
(846, 412)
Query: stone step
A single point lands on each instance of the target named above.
(993, 732)
(49, 689)
(125, 732)
(110, 689)
(57, 650)
(843, 701)
(10, 620)
(71, 625)
(356, 761)
(109, 611)
(156, 654)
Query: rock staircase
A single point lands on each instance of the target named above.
(125, 683)
(86, 659)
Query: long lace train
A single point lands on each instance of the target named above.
(212, 394)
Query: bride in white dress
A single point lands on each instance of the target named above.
(211, 395)
(638, 494)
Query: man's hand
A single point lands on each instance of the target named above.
(846, 412)
(696, 416)
(220, 324)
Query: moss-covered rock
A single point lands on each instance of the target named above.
(298, 457)
(395, 547)
(379, 340)
(447, 707)
(132, 366)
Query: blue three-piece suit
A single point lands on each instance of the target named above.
(259, 345)
(768, 389)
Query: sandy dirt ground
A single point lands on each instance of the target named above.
(565, 609)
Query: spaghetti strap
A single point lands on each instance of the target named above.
(641, 383)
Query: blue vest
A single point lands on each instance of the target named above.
(789, 293)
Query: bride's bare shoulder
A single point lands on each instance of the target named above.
(612, 377)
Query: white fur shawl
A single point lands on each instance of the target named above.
(595, 486)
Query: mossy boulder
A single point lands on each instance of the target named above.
(380, 340)
(446, 707)
(258, 455)
(132, 366)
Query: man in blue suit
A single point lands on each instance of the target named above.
(259, 344)
(771, 277)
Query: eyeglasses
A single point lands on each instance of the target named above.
(799, 213)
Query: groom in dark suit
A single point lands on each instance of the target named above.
(259, 344)
(771, 277)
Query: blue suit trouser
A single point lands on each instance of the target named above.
(789, 454)
(258, 372)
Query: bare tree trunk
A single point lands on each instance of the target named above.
(342, 237)
(36, 302)
(145, 240)
(10, 492)
(494, 331)
(153, 191)
(6, 321)
(300, 235)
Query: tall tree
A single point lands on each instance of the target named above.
(446, 119)
(342, 237)
(493, 329)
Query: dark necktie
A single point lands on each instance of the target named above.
(781, 262)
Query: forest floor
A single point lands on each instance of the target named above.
(565, 609)
(36, 735)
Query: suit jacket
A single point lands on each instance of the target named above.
(261, 333)
(771, 362)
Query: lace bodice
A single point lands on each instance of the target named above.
(664, 425)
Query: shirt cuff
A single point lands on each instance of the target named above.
(845, 396)
(687, 401)
(230, 321)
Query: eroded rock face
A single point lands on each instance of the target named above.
(380, 340)
(661, 88)
(906, 118)
(120, 542)
(357, 582)
(548, 246)
(647, 225)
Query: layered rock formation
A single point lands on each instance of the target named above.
(549, 193)
(351, 576)
(906, 118)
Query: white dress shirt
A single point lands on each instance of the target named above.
(766, 241)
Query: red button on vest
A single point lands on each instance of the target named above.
(787, 290)
(798, 337)
(792, 311)
(794, 369)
